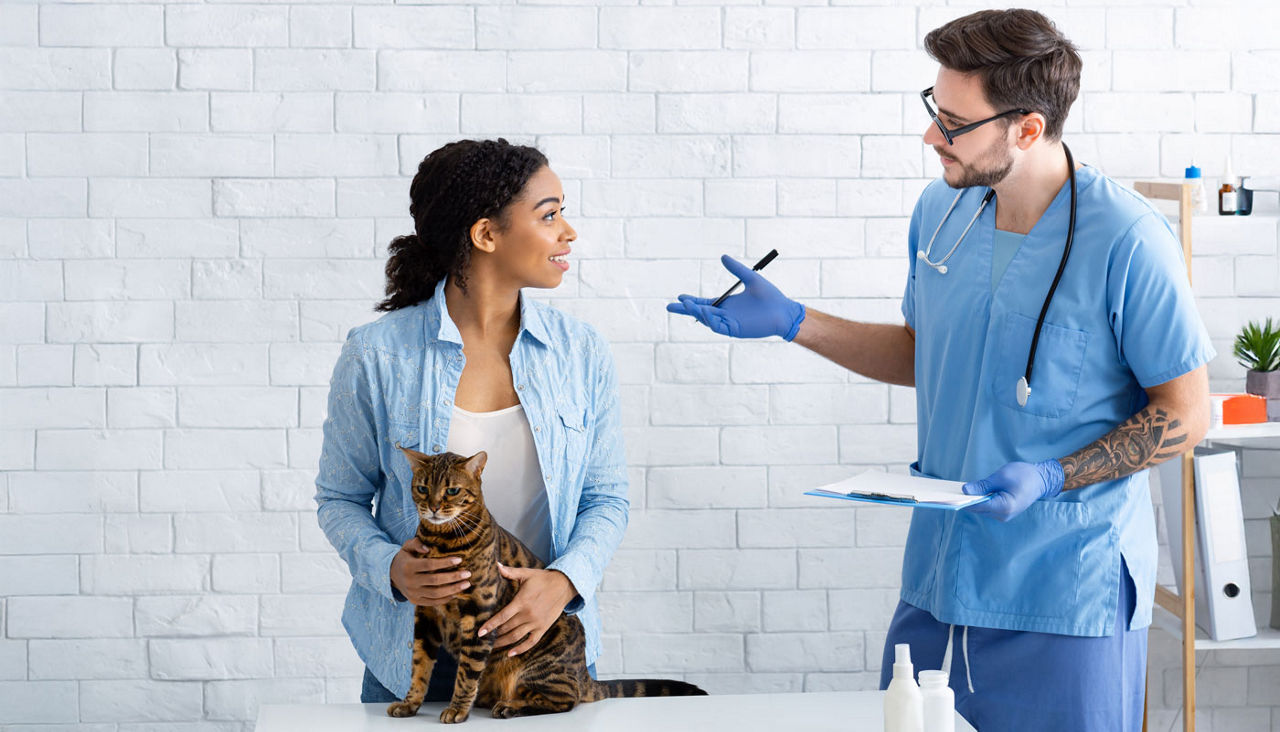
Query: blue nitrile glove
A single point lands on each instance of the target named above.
(760, 310)
(1016, 486)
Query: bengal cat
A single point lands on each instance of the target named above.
(550, 677)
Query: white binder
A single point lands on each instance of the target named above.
(1226, 560)
(1224, 605)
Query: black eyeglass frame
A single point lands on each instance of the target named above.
(951, 135)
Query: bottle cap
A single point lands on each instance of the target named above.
(902, 653)
(1193, 171)
(933, 678)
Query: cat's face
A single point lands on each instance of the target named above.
(447, 485)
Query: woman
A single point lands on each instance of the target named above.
(463, 362)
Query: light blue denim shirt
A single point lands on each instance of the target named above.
(395, 382)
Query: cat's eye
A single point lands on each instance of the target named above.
(451, 491)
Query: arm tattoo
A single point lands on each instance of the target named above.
(1145, 439)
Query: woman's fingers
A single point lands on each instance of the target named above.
(436, 579)
(435, 564)
(518, 632)
(529, 642)
(497, 621)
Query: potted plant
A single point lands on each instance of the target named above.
(1257, 348)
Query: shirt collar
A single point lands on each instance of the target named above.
(439, 326)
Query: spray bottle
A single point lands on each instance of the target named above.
(903, 704)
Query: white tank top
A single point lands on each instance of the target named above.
(513, 489)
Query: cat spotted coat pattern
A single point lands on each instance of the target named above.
(550, 677)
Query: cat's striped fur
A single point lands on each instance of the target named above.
(550, 677)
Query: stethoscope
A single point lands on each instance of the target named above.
(1024, 381)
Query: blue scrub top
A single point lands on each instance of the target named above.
(1123, 318)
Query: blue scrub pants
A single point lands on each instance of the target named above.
(1034, 681)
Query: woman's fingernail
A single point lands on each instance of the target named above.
(466, 575)
(456, 560)
(481, 633)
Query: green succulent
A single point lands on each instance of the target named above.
(1257, 347)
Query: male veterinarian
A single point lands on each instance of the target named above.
(1056, 353)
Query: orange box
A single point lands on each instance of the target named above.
(1238, 408)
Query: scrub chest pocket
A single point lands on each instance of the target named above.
(1055, 376)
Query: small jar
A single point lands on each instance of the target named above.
(939, 702)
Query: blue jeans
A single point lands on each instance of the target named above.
(439, 688)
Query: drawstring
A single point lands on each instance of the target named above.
(964, 644)
(946, 656)
(964, 649)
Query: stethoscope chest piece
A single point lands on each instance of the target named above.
(1024, 391)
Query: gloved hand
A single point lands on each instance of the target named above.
(1016, 486)
(760, 310)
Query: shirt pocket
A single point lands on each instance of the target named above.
(571, 419)
(1055, 376)
(1029, 566)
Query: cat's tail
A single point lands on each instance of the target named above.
(644, 687)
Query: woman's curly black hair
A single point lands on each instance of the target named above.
(456, 186)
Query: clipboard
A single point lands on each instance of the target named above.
(892, 489)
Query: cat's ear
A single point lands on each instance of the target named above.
(414, 456)
(475, 463)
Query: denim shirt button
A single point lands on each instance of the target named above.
(435, 448)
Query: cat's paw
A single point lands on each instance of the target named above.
(401, 709)
(503, 710)
(454, 715)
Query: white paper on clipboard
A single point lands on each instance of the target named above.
(893, 488)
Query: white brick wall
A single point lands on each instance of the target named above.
(194, 206)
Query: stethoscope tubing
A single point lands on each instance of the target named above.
(1062, 265)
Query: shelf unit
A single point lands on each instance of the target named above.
(1267, 639)
(1176, 612)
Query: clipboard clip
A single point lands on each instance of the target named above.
(887, 497)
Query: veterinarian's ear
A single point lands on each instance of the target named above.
(475, 463)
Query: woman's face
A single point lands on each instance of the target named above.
(532, 248)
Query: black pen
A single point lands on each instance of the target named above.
(759, 266)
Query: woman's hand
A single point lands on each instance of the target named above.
(542, 596)
(425, 581)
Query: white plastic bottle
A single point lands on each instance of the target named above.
(1199, 200)
(939, 702)
(903, 704)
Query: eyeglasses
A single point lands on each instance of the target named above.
(951, 135)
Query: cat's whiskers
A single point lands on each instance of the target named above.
(470, 523)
